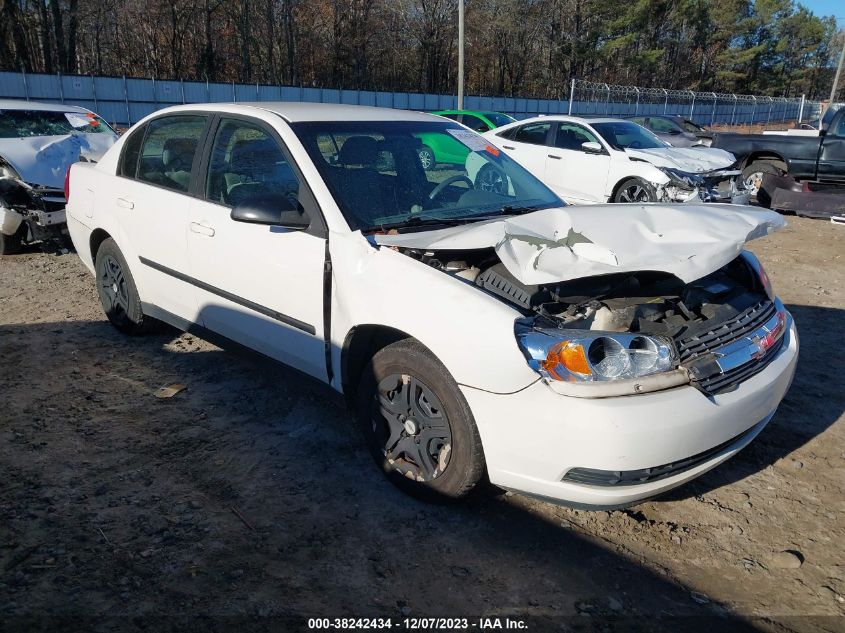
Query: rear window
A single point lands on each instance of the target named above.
(27, 123)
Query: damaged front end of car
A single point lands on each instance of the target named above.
(718, 185)
(668, 297)
(649, 331)
(36, 213)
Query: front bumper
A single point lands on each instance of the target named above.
(721, 185)
(533, 438)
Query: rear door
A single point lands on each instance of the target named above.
(572, 173)
(259, 285)
(528, 146)
(832, 153)
(153, 204)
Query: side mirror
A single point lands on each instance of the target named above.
(591, 147)
(272, 210)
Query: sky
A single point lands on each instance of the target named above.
(827, 7)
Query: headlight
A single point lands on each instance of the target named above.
(681, 178)
(588, 356)
(6, 171)
(759, 273)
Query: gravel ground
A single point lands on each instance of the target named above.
(248, 499)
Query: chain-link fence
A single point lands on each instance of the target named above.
(704, 108)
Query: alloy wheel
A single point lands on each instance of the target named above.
(634, 193)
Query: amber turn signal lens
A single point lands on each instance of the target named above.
(569, 355)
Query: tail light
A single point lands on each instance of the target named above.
(67, 184)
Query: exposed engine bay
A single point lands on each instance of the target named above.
(714, 323)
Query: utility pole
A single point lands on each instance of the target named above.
(838, 72)
(461, 55)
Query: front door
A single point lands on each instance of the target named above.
(259, 285)
(832, 153)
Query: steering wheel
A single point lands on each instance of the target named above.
(442, 186)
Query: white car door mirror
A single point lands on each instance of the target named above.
(591, 147)
(272, 210)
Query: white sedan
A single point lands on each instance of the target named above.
(587, 161)
(595, 357)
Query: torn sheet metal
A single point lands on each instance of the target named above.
(44, 160)
(554, 245)
(690, 159)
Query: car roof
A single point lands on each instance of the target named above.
(20, 104)
(296, 111)
(588, 120)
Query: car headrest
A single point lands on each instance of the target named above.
(178, 153)
(359, 150)
(255, 156)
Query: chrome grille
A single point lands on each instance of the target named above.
(742, 325)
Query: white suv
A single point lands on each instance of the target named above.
(595, 356)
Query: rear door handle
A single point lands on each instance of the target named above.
(123, 203)
(202, 229)
(508, 147)
(553, 156)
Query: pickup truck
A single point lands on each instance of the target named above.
(816, 158)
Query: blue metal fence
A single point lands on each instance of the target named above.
(124, 101)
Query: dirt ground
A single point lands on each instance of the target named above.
(248, 500)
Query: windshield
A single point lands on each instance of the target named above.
(498, 119)
(25, 123)
(624, 134)
(390, 174)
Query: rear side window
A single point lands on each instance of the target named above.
(131, 152)
(167, 155)
(533, 133)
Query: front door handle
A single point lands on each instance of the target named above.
(123, 203)
(553, 156)
(508, 147)
(202, 229)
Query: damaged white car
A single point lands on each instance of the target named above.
(38, 143)
(587, 161)
(595, 357)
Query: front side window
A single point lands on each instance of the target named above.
(27, 123)
(533, 133)
(169, 149)
(623, 135)
(498, 119)
(374, 173)
(474, 123)
(572, 136)
(248, 164)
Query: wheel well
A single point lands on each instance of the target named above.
(770, 157)
(361, 344)
(97, 238)
(619, 184)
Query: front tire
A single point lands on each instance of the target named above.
(12, 244)
(118, 292)
(417, 425)
(635, 190)
(752, 176)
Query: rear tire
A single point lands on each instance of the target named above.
(635, 190)
(118, 292)
(417, 425)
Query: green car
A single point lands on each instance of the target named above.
(439, 150)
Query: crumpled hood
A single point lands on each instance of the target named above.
(44, 160)
(689, 159)
(555, 245)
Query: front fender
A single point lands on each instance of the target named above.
(470, 332)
